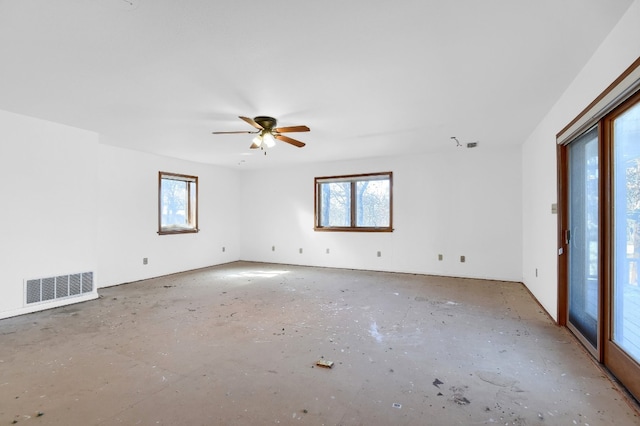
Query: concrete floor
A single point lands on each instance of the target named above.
(237, 345)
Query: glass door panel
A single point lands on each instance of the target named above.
(625, 306)
(583, 271)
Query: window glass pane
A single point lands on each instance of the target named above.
(372, 203)
(174, 203)
(335, 204)
(583, 225)
(626, 286)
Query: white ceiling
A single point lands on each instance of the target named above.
(369, 77)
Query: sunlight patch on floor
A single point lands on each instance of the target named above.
(257, 274)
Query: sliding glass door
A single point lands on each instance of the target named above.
(582, 238)
(599, 240)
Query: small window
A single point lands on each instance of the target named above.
(354, 203)
(177, 203)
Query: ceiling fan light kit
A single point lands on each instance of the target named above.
(263, 137)
(267, 132)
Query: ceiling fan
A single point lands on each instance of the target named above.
(267, 132)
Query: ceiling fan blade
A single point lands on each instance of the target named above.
(253, 123)
(292, 141)
(292, 129)
(231, 133)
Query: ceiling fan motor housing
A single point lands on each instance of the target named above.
(268, 123)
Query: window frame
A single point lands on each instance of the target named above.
(353, 179)
(192, 211)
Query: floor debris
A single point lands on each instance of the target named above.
(324, 363)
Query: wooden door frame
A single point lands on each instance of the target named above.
(607, 352)
(563, 225)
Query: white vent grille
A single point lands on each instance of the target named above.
(52, 288)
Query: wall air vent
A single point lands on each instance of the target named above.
(60, 287)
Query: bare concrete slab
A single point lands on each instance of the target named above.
(238, 345)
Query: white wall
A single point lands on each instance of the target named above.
(71, 204)
(454, 202)
(47, 182)
(539, 184)
(128, 217)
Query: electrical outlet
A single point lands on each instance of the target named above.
(463, 259)
(327, 251)
(300, 250)
(439, 257)
(145, 261)
(223, 249)
(379, 254)
(273, 248)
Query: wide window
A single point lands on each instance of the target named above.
(177, 203)
(354, 203)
